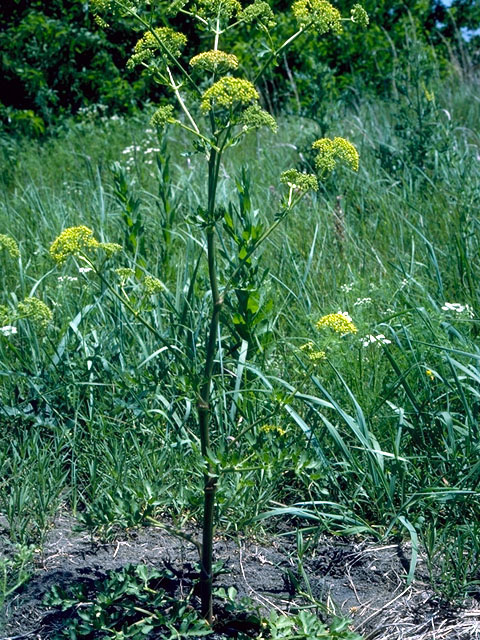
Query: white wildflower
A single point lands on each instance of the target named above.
(8, 330)
(346, 315)
(360, 301)
(132, 149)
(458, 308)
(378, 339)
(346, 288)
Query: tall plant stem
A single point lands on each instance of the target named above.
(210, 479)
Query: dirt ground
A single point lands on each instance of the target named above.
(363, 581)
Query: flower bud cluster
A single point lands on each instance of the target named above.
(215, 61)
(320, 14)
(340, 322)
(163, 116)
(10, 246)
(153, 285)
(163, 39)
(359, 15)
(313, 354)
(300, 181)
(225, 9)
(255, 117)
(329, 151)
(36, 311)
(259, 12)
(75, 241)
(227, 92)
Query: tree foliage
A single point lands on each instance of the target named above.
(56, 62)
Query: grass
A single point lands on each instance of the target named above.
(379, 439)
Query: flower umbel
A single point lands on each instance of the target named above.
(163, 116)
(218, 8)
(258, 12)
(8, 330)
(227, 92)
(329, 151)
(9, 244)
(255, 117)
(340, 322)
(214, 61)
(110, 248)
(359, 15)
(300, 181)
(153, 285)
(72, 242)
(124, 273)
(76, 241)
(164, 40)
(322, 15)
(458, 308)
(36, 311)
(309, 349)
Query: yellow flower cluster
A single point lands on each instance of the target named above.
(75, 241)
(124, 273)
(255, 117)
(309, 349)
(162, 39)
(72, 242)
(339, 322)
(359, 15)
(429, 95)
(259, 12)
(329, 151)
(9, 244)
(101, 5)
(110, 248)
(214, 61)
(298, 180)
(227, 92)
(218, 8)
(36, 311)
(163, 116)
(273, 428)
(320, 14)
(153, 285)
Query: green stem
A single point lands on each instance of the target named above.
(175, 88)
(273, 55)
(210, 479)
(199, 135)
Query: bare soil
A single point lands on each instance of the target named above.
(362, 580)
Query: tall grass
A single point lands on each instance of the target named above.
(380, 437)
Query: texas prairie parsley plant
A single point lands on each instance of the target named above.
(214, 95)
